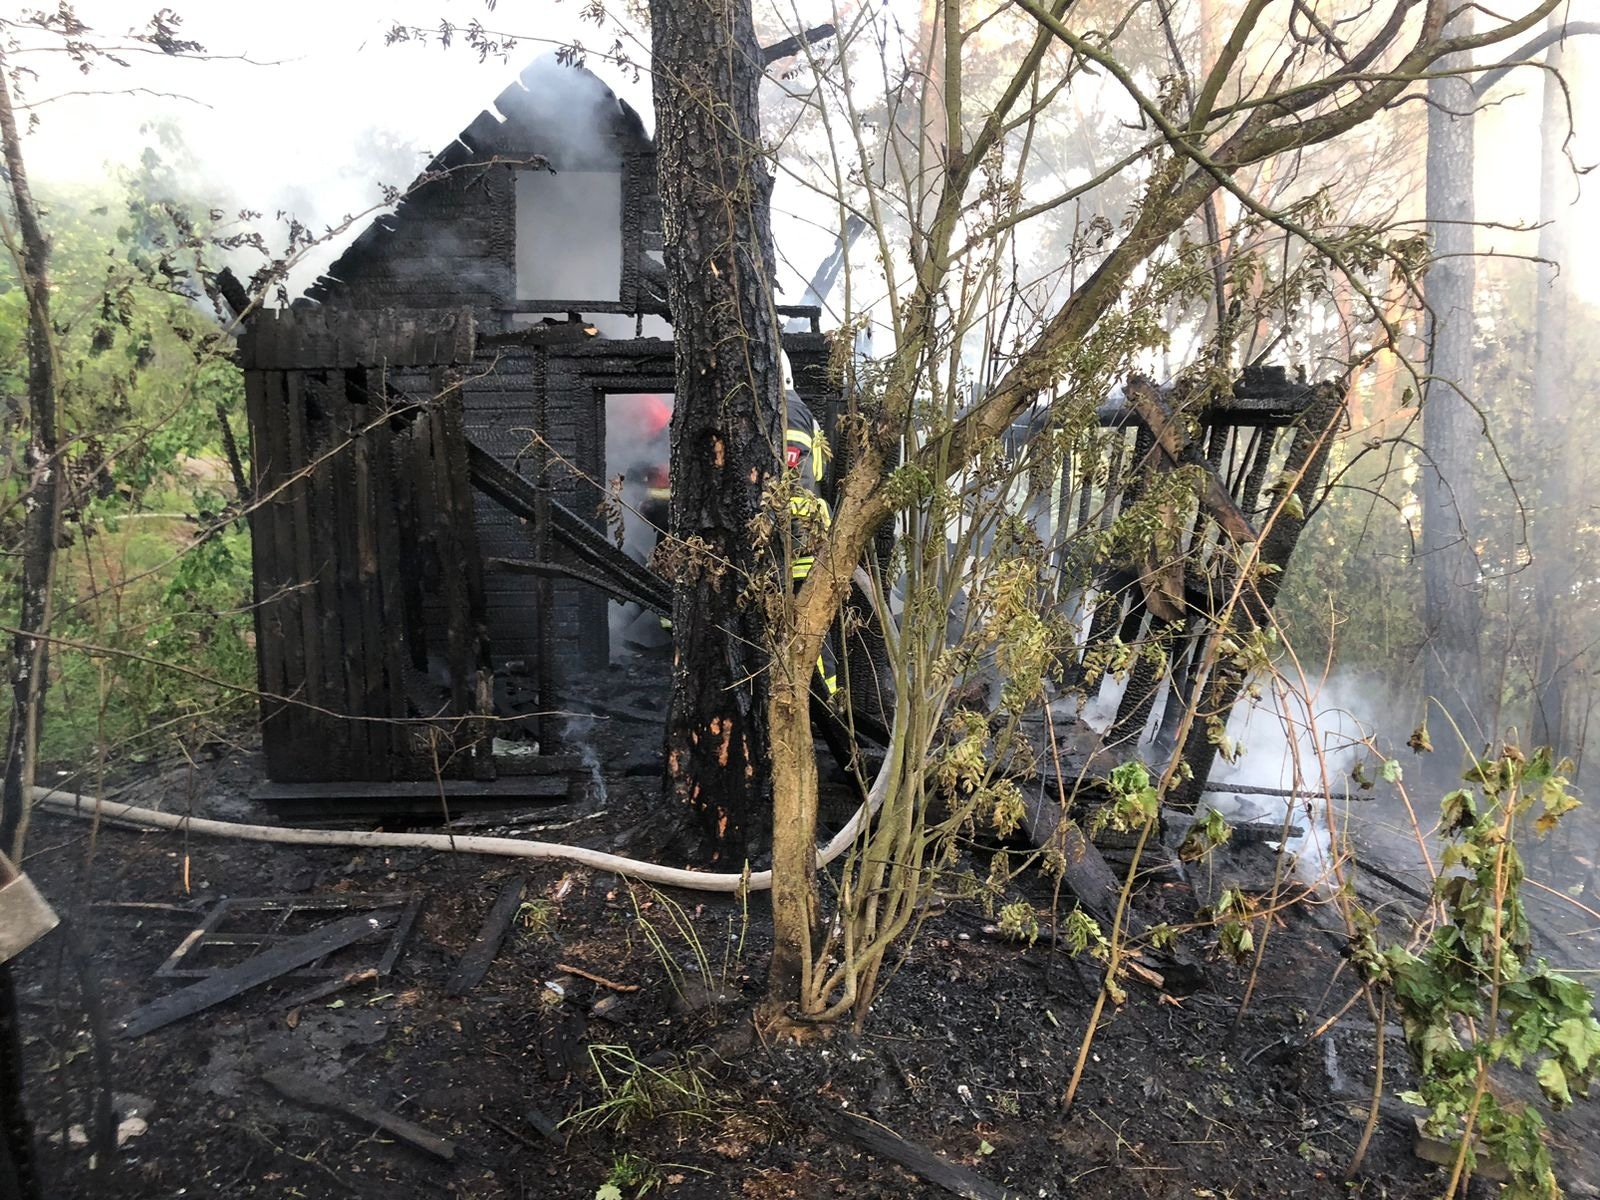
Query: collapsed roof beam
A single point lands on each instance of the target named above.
(597, 561)
(793, 45)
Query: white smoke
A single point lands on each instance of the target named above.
(1311, 743)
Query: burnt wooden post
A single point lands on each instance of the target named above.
(1306, 463)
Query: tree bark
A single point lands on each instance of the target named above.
(1452, 582)
(726, 423)
(30, 665)
(1552, 570)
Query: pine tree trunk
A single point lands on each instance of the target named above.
(30, 665)
(1452, 584)
(715, 192)
(1552, 573)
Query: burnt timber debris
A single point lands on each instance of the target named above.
(302, 1089)
(879, 1140)
(262, 968)
(238, 927)
(475, 963)
(428, 424)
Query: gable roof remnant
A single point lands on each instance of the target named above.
(554, 117)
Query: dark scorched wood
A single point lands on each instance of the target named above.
(262, 968)
(715, 191)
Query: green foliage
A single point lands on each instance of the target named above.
(1235, 913)
(537, 917)
(679, 928)
(1474, 999)
(1083, 935)
(630, 1177)
(153, 593)
(1133, 801)
(1204, 836)
(1019, 920)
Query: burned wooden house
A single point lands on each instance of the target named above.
(430, 434)
(434, 423)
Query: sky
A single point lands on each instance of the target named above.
(327, 116)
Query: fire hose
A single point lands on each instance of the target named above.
(90, 807)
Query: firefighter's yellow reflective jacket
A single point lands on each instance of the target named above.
(805, 451)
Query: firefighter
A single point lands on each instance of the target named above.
(805, 452)
(656, 508)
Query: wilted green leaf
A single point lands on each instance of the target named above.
(1579, 1039)
(1553, 1083)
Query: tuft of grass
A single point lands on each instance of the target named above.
(716, 978)
(634, 1093)
(537, 917)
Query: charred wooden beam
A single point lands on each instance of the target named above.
(1305, 466)
(793, 45)
(881, 1141)
(609, 567)
(313, 1093)
(1163, 425)
(324, 339)
(475, 963)
(1097, 890)
(286, 956)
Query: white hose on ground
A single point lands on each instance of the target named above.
(72, 804)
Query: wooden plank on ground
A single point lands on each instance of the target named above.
(476, 961)
(286, 956)
(313, 1093)
(883, 1142)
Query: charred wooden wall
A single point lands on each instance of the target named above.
(368, 588)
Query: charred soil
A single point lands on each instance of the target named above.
(613, 1040)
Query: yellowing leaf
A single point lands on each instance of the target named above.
(1579, 1038)
(1553, 1082)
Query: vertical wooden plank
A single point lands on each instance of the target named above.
(369, 587)
(1263, 444)
(347, 520)
(411, 547)
(462, 516)
(308, 630)
(391, 600)
(322, 442)
(433, 568)
(263, 561)
(287, 598)
(544, 588)
(453, 589)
